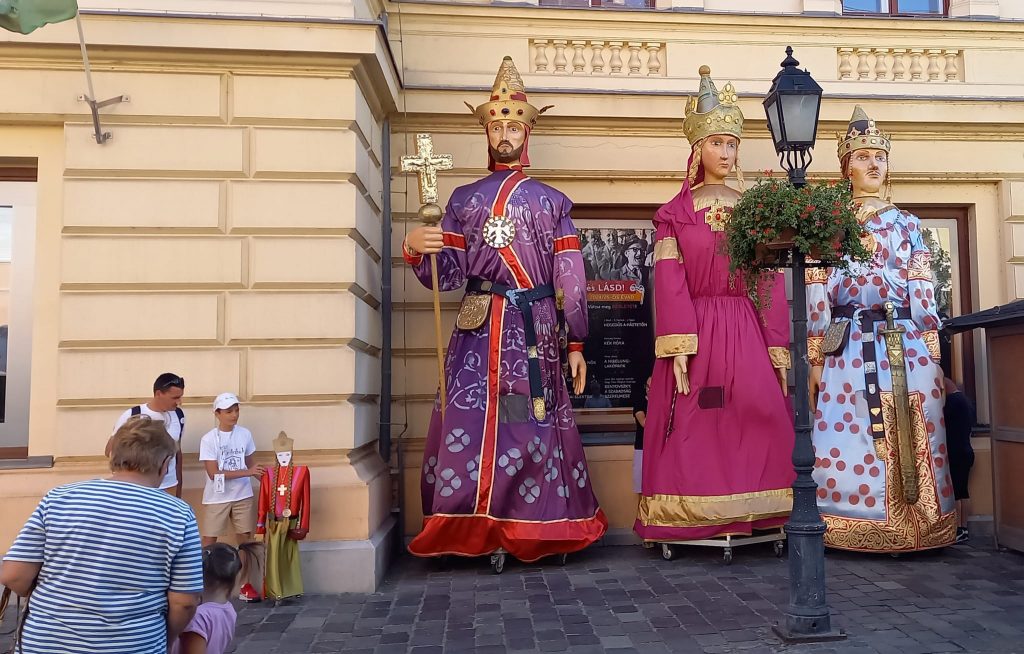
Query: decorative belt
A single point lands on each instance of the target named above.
(867, 318)
(522, 299)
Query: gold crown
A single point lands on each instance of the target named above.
(283, 443)
(712, 111)
(508, 99)
(862, 134)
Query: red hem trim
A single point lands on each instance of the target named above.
(575, 347)
(478, 535)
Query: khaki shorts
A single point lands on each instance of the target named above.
(237, 517)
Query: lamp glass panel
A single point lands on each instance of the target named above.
(800, 112)
(774, 120)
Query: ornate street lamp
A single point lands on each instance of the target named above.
(792, 107)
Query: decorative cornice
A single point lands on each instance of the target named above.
(529, 21)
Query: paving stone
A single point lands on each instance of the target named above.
(967, 598)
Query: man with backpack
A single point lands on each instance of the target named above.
(165, 406)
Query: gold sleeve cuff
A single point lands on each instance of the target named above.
(814, 354)
(780, 357)
(674, 345)
(931, 341)
(816, 275)
(667, 248)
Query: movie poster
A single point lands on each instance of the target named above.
(620, 347)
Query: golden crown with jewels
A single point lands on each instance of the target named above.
(712, 111)
(508, 99)
(862, 134)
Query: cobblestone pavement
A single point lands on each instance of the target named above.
(968, 598)
(627, 599)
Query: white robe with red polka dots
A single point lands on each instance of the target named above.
(860, 492)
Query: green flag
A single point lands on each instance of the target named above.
(25, 16)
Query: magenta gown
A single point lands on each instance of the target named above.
(494, 478)
(725, 468)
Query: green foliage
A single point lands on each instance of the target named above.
(819, 219)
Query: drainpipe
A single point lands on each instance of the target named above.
(384, 438)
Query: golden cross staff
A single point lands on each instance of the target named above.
(426, 164)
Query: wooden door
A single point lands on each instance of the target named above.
(1005, 354)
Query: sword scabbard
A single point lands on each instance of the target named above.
(896, 354)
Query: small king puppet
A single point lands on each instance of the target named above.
(283, 520)
(503, 466)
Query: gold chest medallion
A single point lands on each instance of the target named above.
(499, 231)
(719, 212)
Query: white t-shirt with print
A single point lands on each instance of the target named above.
(173, 427)
(229, 450)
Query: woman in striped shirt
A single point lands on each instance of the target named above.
(109, 565)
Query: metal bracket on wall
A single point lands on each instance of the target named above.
(101, 136)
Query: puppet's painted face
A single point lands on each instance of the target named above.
(506, 139)
(718, 155)
(867, 171)
(284, 458)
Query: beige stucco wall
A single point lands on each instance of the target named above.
(615, 138)
(230, 231)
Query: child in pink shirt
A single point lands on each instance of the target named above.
(213, 627)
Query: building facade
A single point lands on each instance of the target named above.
(242, 226)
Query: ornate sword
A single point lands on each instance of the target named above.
(901, 397)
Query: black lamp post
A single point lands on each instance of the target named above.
(792, 108)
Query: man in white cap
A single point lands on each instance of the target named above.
(226, 452)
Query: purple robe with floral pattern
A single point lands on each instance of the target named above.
(493, 476)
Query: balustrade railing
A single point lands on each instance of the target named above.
(901, 64)
(597, 57)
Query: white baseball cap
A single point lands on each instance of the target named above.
(225, 401)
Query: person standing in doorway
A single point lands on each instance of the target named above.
(959, 416)
(165, 407)
(640, 417)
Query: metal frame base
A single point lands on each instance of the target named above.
(791, 638)
(725, 542)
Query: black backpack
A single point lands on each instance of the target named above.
(137, 410)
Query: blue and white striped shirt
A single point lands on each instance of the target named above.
(110, 552)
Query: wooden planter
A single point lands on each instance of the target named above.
(772, 252)
(775, 251)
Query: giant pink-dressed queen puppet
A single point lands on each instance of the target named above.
(879, 438)
(719, 433)
(504, 468)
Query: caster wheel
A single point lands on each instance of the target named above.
(667, 552)
(727, 556)
(562, 558)
(648, 545)
(779, 548)
(498, 563)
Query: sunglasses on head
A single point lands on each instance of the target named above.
(178, 382)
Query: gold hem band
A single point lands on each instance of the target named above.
(708, 510)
